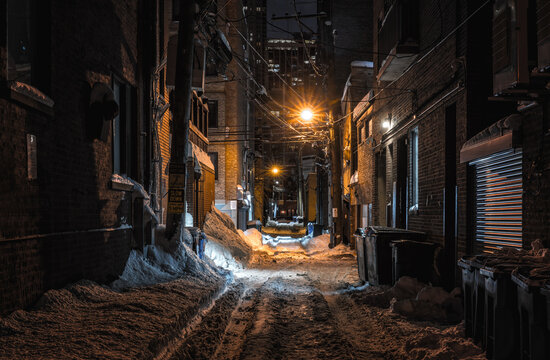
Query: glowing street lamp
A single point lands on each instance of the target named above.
(306, 114)
(275, 170)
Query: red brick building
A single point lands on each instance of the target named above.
(445, 116)
(85, 141)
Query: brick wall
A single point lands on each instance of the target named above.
(420, 99)
(36, 264)
(72, 193)
(536, 175)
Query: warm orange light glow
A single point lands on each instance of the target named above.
(307, 114)
(275, 170)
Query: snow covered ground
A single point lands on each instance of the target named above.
(294, 299)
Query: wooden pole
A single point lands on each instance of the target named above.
(181, 110)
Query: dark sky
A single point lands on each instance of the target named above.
(282, 7)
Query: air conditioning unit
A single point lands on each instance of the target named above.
(510, 46)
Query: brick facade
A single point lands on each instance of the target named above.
(444, 95)
(65, 224)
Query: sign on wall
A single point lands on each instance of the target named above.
(32, 162)
(176, 189)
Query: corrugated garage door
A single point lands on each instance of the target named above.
(499, 200)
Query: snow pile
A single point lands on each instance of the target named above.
(314, 245)
(139, 271)
(88, 321)
(431, 343)
(221, 256)
(292, 225)
(306, 246)
(254, 238)
(416, 300)
(168, 261)
(220, 229)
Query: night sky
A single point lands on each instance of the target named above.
(283, 7)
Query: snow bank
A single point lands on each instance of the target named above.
(220, 229)
(317, 244)
(221, 256)
(432, 343)
(167, 261)
(306, 246)
(139, 271)
(254, 238)
(416, 300)
(292, 225)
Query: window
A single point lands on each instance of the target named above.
(28, 40)
(499, 200)
(214, 159)
(20, 40)
(212, 113)
(360, 137)
(123, 145)
(414, 171)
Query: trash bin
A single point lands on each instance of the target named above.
(468, 290)
(501, 320)
(379, 254)
(533, 329)
(359, 236)
(254, 224)
(413, 258)
(545, 291)
(473, 286)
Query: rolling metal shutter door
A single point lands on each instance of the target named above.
(499, 200)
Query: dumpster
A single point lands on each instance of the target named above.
(501, 319)
(473, 286)
(359, 236)
(533, 329)
(545, 290)
(468, 286)
(413, 258)
(379, 253)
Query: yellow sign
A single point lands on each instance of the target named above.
(176, 181)
(176, 201)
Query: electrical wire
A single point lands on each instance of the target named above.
(313, 65)
(417, 61)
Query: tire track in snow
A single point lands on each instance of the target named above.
(168, 350)
(293, 322)
(231, 344)
(203, 341)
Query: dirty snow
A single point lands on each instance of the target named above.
(220, 229)
(296, 299)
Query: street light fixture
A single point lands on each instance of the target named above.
(275, 170)
(307, 114)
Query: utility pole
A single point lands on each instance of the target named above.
(181, 110)
(336, 181)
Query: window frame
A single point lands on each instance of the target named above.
(124, 141)
(212, 155)
(213, 113)
(413, 170)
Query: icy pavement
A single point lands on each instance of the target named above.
(294, 302)
(308, 310)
